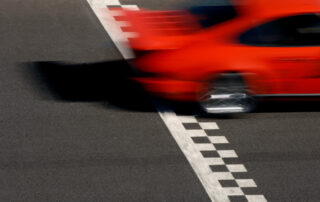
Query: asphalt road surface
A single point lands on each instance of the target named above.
(79, 130)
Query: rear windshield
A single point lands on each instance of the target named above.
(212, 15)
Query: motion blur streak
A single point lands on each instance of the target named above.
(251, 47)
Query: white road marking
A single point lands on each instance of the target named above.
(188, 119)
(209, 125)
(131, 7)
(218, 139)
(233, 191)
(221, 176)
(228, 154)
(111, 26)
(246, 183)
(183, 137)
(205, 147)
(197, 133)
(236, 168)
(215, 161)
(197, 162)
(256, 198)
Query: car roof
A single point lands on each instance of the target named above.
(273, 8)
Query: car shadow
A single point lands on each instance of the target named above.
(104, 82)
(307, 105)
(111, 82)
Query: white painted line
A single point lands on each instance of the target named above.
(218, 139)
(209, 125)
(236, 168)
(112, 2)
(130, 7)
(188, 119)
(256, 198)
(233, 191)
(101, 3)
(208, 179)
(227, 153)
(111, 26)
(215, 161)
(246, 183)
(197, 133)
(222, 176)
(205, 147)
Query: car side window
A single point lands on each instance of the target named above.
(300, 30)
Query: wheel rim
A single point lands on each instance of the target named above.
(227, 94)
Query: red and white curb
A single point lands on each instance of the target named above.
(199, 141)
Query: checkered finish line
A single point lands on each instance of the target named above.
(209, 154)
(223, 162)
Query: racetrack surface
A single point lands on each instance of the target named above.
(79, 130)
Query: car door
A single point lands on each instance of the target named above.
(290, 47)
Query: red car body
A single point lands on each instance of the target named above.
(178, 58)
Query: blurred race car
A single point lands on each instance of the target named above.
(224, 56)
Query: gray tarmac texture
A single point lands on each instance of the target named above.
(67, 137)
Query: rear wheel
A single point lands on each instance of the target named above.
(227, 94)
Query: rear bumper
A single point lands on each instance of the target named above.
(172, 89)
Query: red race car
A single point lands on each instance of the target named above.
(224, 56)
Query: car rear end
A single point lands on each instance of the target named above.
(159, 35)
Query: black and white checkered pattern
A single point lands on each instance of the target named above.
(214, 148)
(222, 160)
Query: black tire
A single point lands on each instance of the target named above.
(227, 94)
